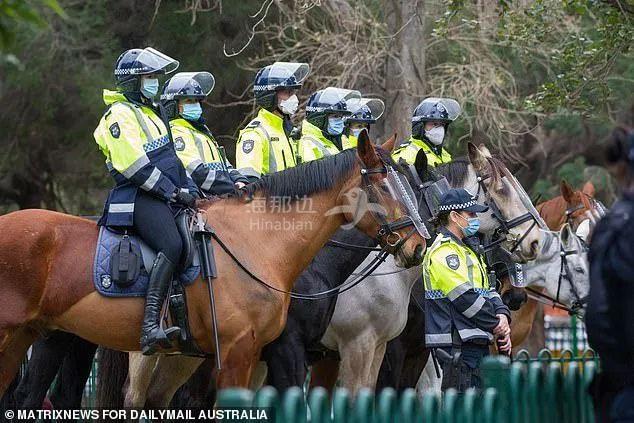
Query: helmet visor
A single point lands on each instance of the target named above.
(400, 189)
(282, 75)
(153, 61)
(433, 194)
(189, 85)
(436, 108)
(365, 109)
(524, 198)
(332, 100)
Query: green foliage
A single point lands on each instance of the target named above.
(16, 12)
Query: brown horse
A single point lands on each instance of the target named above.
(573, 207)
(46, 261)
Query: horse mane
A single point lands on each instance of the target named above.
(455, 171)
(310, 177)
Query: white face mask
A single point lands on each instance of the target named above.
(355, 132)
(290, 105)
(436, 135)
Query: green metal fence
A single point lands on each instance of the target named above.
(540, 389)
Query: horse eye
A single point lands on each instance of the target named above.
(579, 269)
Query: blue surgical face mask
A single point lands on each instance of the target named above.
(335, 125)
(149, 88)
(473, 225)
(192, 111)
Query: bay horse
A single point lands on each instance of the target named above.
(371, 314)
(46, 261)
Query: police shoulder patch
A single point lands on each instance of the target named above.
(179, 144)
(253, 124)
(453, 261)
(115, 131)
(247, 146)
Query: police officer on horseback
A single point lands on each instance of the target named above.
(610, 313)
(463, 313)
(322, 130)
(430, 122)
(151, 183)
(364, 113)
(265, 145)
(194, 143)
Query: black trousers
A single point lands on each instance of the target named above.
(154, 223)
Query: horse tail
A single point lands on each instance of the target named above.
(111, 377)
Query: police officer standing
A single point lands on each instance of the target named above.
(151, 182)
(194, 143)
(463, 313)
(430, 122)
(265, 146)
(322, 130)
(610, 312)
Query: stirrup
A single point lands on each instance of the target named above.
(161, 339)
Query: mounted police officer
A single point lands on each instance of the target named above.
(194, 143)
(265, 146)
(610, 313)
(430, 123)
(151, 183)
(463, 313)
(364, 113)
(322, 130)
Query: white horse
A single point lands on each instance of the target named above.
(567, 282)
(380, 313)
(375, 312)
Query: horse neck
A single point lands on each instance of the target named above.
(335, 263)
(553, 212)
(272, 244)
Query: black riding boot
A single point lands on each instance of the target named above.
(153, 336)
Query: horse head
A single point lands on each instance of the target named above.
(384, 206)
(582, 211)
(497, 187)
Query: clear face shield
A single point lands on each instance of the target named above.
(333, 95)
(373, 107)
(189, 84)
(433, 194)
(431, 107)
(525, 199)
(401, 191)
(153, 61)
(289, 73)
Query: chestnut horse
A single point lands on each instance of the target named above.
(46, 263)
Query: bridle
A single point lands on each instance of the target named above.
(564, 275)
(505, 226)
(385, 231)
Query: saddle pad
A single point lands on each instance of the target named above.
(102, 278)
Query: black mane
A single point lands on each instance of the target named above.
(310, 177)
(455, 171)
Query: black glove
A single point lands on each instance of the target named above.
(185, 199)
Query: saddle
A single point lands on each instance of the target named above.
(122, 265)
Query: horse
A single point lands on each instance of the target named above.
(39, 247)
(407, 350)
(373, 313)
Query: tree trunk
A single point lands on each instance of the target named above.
(405, 77)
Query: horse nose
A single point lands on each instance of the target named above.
(534, 248)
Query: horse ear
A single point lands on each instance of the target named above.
(366, 151)
(485, 151)
(389, 144)
(588, 189)
(567, 191)
(566, 234)
(421, 164)
(477, 158)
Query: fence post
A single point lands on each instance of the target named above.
(319, 405)
(410, 407)
(293, 405)
(431, 407)
(341, 408)
(363, 408)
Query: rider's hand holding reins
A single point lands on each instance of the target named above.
(185, 198)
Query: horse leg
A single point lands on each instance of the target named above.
(325, 373)
(170, 373)
(239, 358)
(73, 374)
(392, 365)
(429, 380)
(47, 355)
(355, 363)
(16, 343)
(140, 372)
(377, 359)
(200, 389)
(286, 360)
